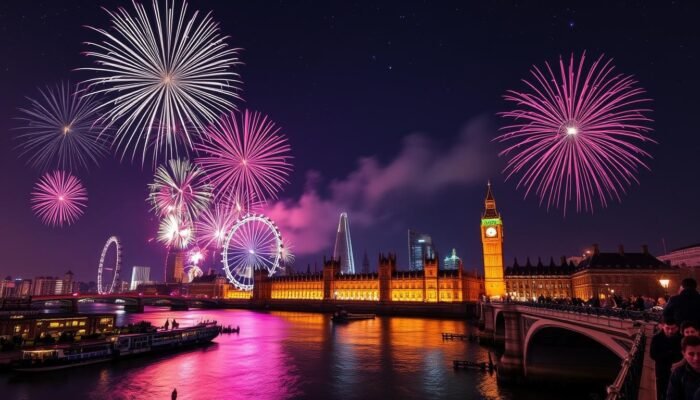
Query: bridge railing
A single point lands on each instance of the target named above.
(600, 312)
(626, 385)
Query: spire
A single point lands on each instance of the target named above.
(489, 194)
(490, 204)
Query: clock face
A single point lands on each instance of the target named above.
(491, 231)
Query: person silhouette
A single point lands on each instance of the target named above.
(173, 395)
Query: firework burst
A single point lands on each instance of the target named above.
(175, 232)
(59, 130)
(169, 77)
(575, 134)
(179, 187)
(58, 198)
(213, 226)
(246, 155)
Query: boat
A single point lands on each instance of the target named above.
(344, 316)
(116, 347)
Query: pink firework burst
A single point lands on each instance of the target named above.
(213, 225)
(58, 198)
(575, 133)
(246, 155)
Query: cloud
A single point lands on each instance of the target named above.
(368, 193)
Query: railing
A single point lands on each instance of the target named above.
(626, 385)
(633, 315)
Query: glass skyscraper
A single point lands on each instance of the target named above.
(420, 246)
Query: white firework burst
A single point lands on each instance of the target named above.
(168, 77)
(59, 130)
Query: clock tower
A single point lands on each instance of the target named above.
(492, 242)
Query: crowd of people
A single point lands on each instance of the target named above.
(676, 347)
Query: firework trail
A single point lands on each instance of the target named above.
(575, 134)
(179, 187)
(168, 77)
(246, 155)
(58, 198)
(59, 130)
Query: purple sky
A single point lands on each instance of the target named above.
(390, 111)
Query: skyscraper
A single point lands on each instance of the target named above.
(452, 261)
(343, 246)
(139, 276)
(420, 246)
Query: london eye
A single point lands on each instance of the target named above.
(254, 243)
(108, 275)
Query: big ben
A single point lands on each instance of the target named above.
(492, 242)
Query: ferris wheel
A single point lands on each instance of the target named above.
(108, 277)
(254, 243)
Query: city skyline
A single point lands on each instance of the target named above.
(415, 121)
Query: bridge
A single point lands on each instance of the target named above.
(551, 341)
(132, 302)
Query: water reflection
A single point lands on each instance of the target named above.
(283, 355)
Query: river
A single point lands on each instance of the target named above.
(289, 355)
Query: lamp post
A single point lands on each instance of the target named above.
(664, 284)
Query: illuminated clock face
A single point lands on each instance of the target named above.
(491, 231)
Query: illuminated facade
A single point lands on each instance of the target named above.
(492, 243)
(430, 285)
(598, 275)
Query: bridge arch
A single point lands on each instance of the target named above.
(499, 326)
(570, 349)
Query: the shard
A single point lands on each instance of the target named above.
(343, 246)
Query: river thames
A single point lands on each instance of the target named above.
(289, 355)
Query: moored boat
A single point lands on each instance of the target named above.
(344, 316)
(119, 346)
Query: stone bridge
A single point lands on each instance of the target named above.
(548, 341)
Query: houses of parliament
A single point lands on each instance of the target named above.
(600, 274)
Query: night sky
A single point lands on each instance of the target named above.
(390, 109)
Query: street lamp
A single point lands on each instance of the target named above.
(664, 284)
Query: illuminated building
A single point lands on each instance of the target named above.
(139, 276)
(452, 261)
(174, 266)
(492, 243)
(528, 282)
(420, 246)
(598, 275)
(624, 274)
(429, 285)
(343, 246)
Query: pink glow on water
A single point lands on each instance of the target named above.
(59, 198)
(575, 134)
